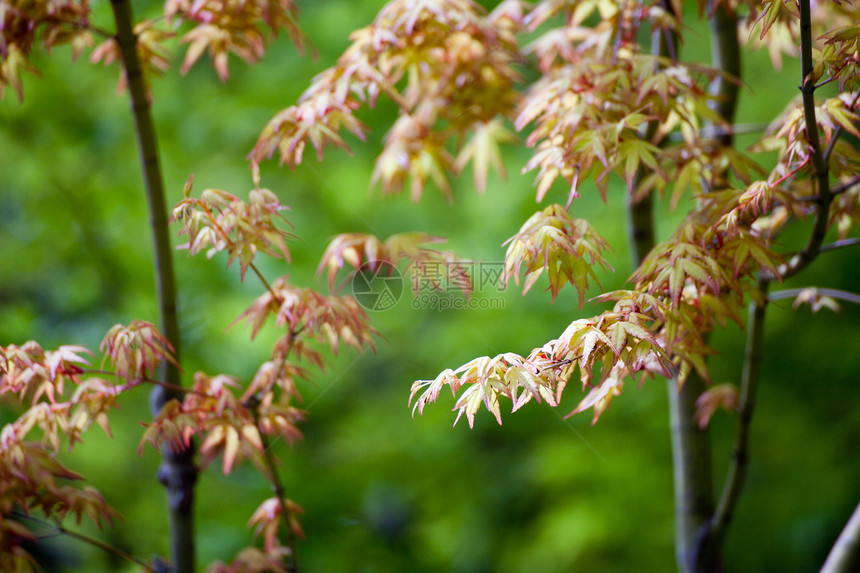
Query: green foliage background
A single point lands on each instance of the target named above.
(383, 492)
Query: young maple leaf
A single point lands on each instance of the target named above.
(136, 350)
(507, 375)
(268, 518)
(220, 221)
(722, 396)
(566, 248)
(483, 151)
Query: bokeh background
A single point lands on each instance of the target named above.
(382, 491)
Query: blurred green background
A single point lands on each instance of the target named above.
(381, 491)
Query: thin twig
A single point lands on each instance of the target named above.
(253, 404)
(831, 292)
(843, 187)
(167, 385)
(278, 489)
(840, 244)
(57, 528)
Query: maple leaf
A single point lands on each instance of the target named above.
(669, 266)
(447, 66)
(268, 518)
(483, 151)
(135, 350)
(722, 396)
(601, 395)
(151, 51)
(486, 379)
(566, 248)
(220, 221)
(366, 253)
(816, 300)
(224, 27)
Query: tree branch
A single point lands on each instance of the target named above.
(843, 187)
(57, 528)
(177, 471)
(840, 244)
(725, 57)
(831, 292)
(845, 555)
(819, 162)
(691, 462)
(253, 403)
(749, 383)
(278, 489)
(696, 550)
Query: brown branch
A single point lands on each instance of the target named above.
(843, 187)
(253, 404)
(57, 528)
(726, 57)
(819, 162)
(844, 557)
(177, 471)
(278, 489)
(749, 382)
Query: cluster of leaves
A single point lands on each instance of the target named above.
(602, 106)
(25, 25)
(65, 395)
(616, 344)
(445, 63)
(220, 27)
(220, 221)
(236, 420)
(567, 248)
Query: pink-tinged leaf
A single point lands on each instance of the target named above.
(599, 398)
(722, 396)
(231, 447)
(57, 358)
